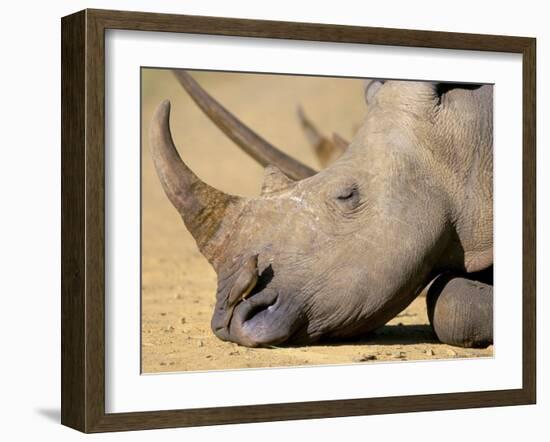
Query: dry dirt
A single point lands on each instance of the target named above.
(178, 284)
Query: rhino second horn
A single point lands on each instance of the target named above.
(249, 141)
(203, 208)
(275, 180)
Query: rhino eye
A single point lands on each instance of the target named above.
(348, 194)
(348, 198)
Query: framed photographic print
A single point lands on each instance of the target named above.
(268, 220)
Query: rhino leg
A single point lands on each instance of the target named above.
(461, 311)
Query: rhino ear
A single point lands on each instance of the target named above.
(275, 180)
(371, 88)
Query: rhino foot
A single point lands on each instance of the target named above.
(461, 311)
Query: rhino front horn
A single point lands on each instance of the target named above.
(207, 212)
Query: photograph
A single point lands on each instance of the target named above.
(302, 220)
(268, 220)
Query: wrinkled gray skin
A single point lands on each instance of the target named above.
(343, 251)
(461, 310)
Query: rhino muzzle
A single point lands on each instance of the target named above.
(256, 321)
(250, 312)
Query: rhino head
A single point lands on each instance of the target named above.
(337, 253)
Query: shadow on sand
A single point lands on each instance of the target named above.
(409, 334)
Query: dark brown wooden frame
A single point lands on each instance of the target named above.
(83, 216)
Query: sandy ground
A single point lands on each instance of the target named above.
(178, 284)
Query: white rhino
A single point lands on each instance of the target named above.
(338, 253)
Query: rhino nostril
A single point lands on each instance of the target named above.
(254, 309)
(259, 307)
